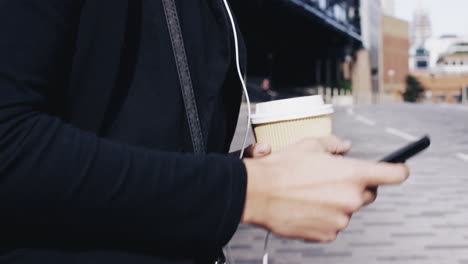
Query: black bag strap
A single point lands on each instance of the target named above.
(185, 79)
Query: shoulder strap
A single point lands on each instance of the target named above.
(185, 80)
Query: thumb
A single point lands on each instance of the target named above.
(259, 150)
(335, 145)
(383, 174)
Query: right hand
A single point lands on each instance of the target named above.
(305, 192)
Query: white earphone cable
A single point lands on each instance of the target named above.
(239, 72)
(247, 98)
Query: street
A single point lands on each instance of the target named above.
(423, 221)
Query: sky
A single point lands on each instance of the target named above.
(448, 16)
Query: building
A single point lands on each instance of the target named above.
(385, 59)
(395, 46)
(439, 63)
(419, 61)
(421, 27)
(362, 79)
(459, 48)
(453, 64)
(300, 44)
(447, 80)
(454, 61)
(438, 47)
(445, 89)
(420, 32)
(388, 7)
(371, 20)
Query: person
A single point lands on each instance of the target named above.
(265, 86)
(96, 158)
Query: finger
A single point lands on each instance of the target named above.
(259, 150)
(311, 236)
(369, 196)
(335, 145)
(346, 198)
(319, 223)
(375, 174)
(320, 237)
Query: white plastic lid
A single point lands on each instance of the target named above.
(291, 109)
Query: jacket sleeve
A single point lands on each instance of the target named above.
(59, 184)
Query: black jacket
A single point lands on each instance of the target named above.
(92, 141)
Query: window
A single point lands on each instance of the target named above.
(339, 13)
(441, 97)
(457, 98)
(421, 64)
(323, 4)
(428, 95)
(351, 13)
(421, 52)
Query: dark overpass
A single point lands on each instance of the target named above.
(299, 43)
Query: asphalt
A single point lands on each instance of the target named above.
(423, 221)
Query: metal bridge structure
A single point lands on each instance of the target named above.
(301, 43)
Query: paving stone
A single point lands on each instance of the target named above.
(401, 258)
(370, 244)
(447, 247)
(409, 235)
(336, 254)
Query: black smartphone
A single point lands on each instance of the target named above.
(403, 154)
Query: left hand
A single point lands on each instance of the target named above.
(255, 151)
(330, 144)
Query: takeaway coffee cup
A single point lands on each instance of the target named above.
(284, 122)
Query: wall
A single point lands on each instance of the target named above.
(456, 64)
(446, 86)
(371, 18)
(395, 48)
(361, 78)
(437, 47)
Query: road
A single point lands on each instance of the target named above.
(423, 221)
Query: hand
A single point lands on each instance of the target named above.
(256, 151)
(306, 193)
(329, 144)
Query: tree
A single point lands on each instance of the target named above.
(414, 89)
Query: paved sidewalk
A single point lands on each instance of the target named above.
(424, 221)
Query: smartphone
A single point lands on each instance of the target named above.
(405, 153)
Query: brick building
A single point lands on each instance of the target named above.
(443, 89)
(395, 47)
(447, 81)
